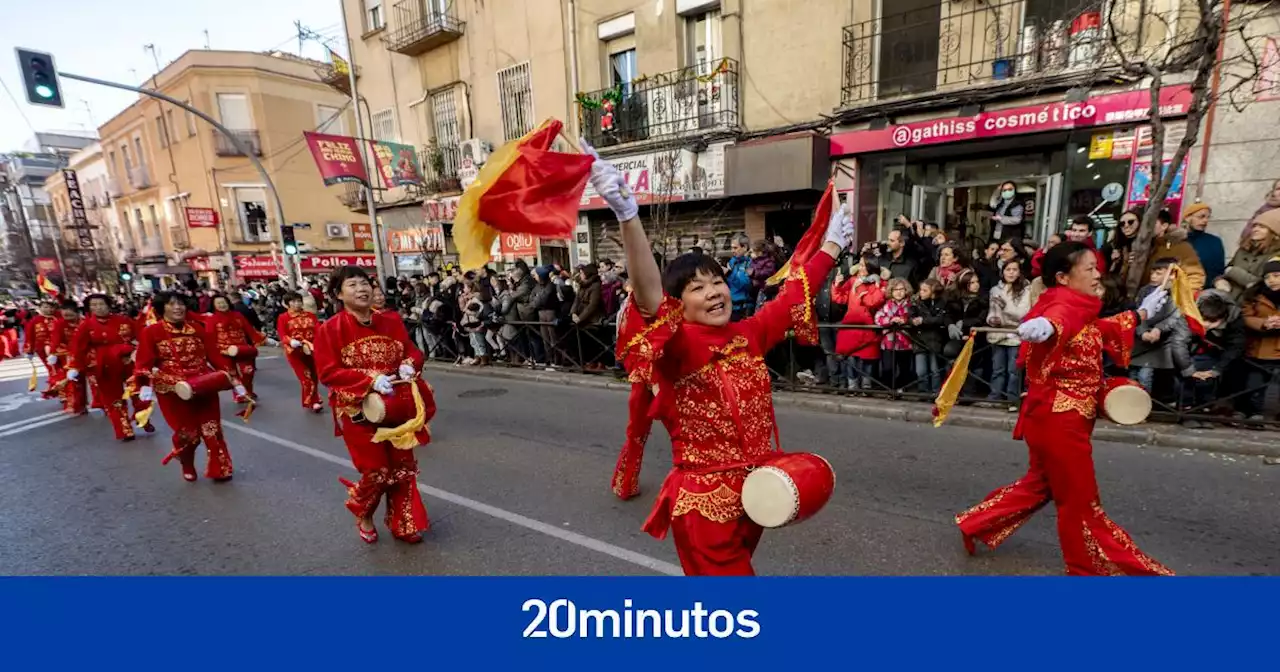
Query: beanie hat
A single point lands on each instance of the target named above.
(1272, 266)
(1193, 209)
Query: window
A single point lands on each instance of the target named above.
(448, 134)
(330, 120)
(515, 93)
(251, 205)
(373, 18)
(162, 131)
(384, 125)
(128, 165)
(702, 40)
(142, 227)
(191, 123)
(233, 108)
(137, 145)
(622, 69)
(170, 130)
(115, 167)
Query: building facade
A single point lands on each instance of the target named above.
(92, 243)
(190, 203)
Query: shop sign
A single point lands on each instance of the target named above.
(1115, 108)
(258, 267)
(323, 263)
(416, 239)
(362, 233)
(202, 218)
(1100, 146)
(199, 264)
(519, 245)
(1122, 146)
(337, 157)
(667, 176)
(440, 209)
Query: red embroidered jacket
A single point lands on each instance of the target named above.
(169, 353)
(37, 334)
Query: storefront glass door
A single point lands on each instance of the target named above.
(1045, 220)
(929, 204)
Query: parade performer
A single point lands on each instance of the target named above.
(1063, 345)
(714, 390)
(10, 322)
(102, 350)
(38, 334)
(297, 330)
(360, 352)
(231, 335)
(70, 390)
(173, 351)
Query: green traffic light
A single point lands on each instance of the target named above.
(290, 249)
(44, 91)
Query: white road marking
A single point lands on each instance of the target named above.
(29, 420)
(654, 564)
(34, 425)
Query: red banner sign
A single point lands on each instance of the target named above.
(263, 267)
(514, 246)
(201, 264)
(323, 263)
(416, 240)
(47, 266)
(1105, 110)
(337, 157)
(202, 218)
(362, 234)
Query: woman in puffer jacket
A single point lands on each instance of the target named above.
(1010, 302)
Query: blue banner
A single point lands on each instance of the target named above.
(637, 623)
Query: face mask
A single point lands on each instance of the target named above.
(1007, 194)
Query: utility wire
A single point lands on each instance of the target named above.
(18, 106)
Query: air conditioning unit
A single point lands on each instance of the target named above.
(476, 150)
(337, 230)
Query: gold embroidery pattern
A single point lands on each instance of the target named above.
(708, 431)
(1086, 407)
(373, 353)
(210, 429)
(803, 321)
(1126, 542)
(718, 506)
(986, 503)
(182, 355)
(1102, 565)
(643, 349)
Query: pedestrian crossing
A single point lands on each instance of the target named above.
(20, 369)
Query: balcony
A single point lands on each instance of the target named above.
(223, 146)
(140, 177)
(440, 164)
(180, 237)
(113, 188)
(690, 101)
(418, 26)
(336, 78)
(947, 47)
(152, 246)
(351, 195)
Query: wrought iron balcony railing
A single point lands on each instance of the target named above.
(337, 78)
(692, 100)
(249, 137)
(948, 46)
(440, 164)
(140, 178)
(418, 26)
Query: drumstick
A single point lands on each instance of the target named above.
(994, 330)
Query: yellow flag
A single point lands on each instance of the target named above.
(31, 384)
(144, 416)
(1184, 298)
(955, 382)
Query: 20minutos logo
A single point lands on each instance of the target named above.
(562, 619)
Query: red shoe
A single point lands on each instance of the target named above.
(415, 538)
(189, 473)
(222, 479)
(370, 536)
(317, 407)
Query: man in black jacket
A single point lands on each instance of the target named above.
(1204, 360)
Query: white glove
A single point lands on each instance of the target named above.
(840, 226)
(1154, 301)
(295, 343)
(954, 333)
(72, 374)
(611, 186)
(233, 351)
(271, 342)
(53, 359)
(240, 391)
(406, 371)
(1036, 330)
(382, 385)
(146, 393)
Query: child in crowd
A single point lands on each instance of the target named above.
(1204, 359)
(1010, 302)
(860, 347)
(929, 317)
(895, 344)
(1261, 306)
(1153, 345)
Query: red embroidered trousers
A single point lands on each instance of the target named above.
(304, 367)
(384, 470)
(74, 394)
(1061, 470)
(708, 548)
(626, 475)
(108, 394)
(198, 419)
(244, 369)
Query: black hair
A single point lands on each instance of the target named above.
(68, 304)
(1163, 263)
(1085, 220)
(1061, 258)
(1165, 217)
(106, 299)
(1214, 308)
(695, 250)
(341, 275)
(1019, 248)
(870, 264)
(213, 298)
(433, 274)
(162, 299)
(683, 269)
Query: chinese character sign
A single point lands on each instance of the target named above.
(398, 164)
(337, 157)
(362, 234)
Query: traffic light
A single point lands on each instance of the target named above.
(290, 243)
(39, 78)
(125, 275)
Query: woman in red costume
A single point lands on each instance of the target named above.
(297, 330)
(231, 335)
(70, 390)
(102, 350)
(359, 352)
(715, 394)
(174, 350)
(1064, 342)
(36, 339)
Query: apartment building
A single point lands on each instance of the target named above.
(91, 241)
(189, 201)
(454, 79)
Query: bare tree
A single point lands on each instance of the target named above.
(1184, 45)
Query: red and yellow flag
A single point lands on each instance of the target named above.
(47, 286)
(1184, 298)
(813, 238)
(524, 187)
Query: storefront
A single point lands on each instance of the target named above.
(422, 246)
(321, 264)
(1066, 158)
(258, 268)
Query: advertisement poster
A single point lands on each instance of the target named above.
(337, 157)
(362, 234)
(397, 164)
(1141, 186)
(202, 218)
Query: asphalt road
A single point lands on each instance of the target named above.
(516, 483)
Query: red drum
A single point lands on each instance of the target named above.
(205, 383)
(1124, 402)
(391, 410)
(787, 489)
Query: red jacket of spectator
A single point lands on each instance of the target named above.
(864, 300)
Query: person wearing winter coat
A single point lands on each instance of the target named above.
(1245, 269)
(1171, 242)
(545, 305)
(895, 344)
(967, 308)
(864, 295)
(739, 279)
(1010, 302)
(1262, 348)
(1153, 343)
(1203, 361)
(929, 317)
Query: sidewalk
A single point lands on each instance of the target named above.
(1161, 435)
